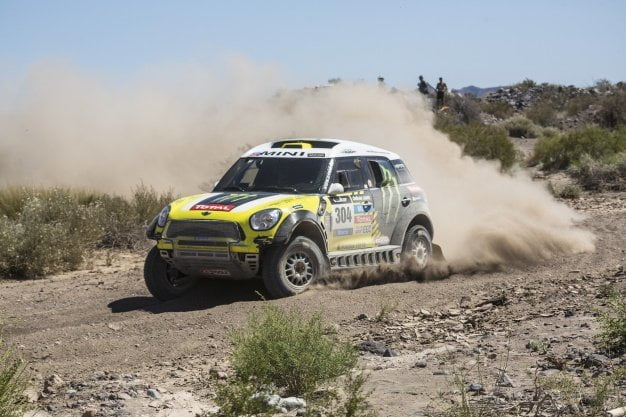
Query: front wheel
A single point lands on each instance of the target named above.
(290, 269)
(163, 280)
(418, 246)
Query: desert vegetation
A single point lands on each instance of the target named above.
(292, 360)
(13, 382)
(48, 230)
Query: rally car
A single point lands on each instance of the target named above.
(290, 212)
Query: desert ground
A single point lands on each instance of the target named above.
(97, 341)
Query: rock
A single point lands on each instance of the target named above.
(292, 403)
(52, 383)
(114, 326)
(90, 412)
(124, 396)
(222, 375)
(476, 388)
(362, 316)
(373, 346)
(596, 360)
(152, 392)
(273, 400)
(389, 353)
(421, 364)
(454, 312)
(441, 372)
(549, 372)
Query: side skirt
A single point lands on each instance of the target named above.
(360, 258)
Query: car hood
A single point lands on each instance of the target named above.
(234, 206)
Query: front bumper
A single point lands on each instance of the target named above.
(209, 248)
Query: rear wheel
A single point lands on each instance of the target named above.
(290, 269)
(163, 280)
(418, 246)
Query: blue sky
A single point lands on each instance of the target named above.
(484, 43)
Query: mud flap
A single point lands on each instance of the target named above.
(438, 253)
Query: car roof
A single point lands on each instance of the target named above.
(316, 147)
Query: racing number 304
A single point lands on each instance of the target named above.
(343, 215)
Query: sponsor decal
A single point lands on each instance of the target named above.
(213, 207)
(382, 241)
(335, 199)
(399, 167)
(366, 228)
(360, 197)
(316, 155)
(298, 206)
(362, 208)
(367, 218)
(282, 153)
(348, 151)
(226, 201)
(343, 232)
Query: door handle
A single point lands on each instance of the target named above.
(406, 201)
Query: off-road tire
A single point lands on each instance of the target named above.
(163, 281)
(418, 245)
(290, 269)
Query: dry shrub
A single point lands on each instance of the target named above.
(560, 152)
(594, 175)
(521, 127)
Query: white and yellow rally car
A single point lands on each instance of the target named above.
(291, 211)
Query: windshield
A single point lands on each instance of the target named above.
(284, 175)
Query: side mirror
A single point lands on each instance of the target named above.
(335, 188)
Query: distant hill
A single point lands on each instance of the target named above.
(477, 91)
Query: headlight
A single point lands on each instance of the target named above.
(265, 219)
(163, 216)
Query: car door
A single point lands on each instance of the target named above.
(351, 212)
(383, 181)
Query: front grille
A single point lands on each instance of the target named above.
(205, 229)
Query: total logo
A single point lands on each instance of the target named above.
(213, 207)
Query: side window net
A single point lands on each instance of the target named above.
(349, 174)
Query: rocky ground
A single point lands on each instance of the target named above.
(100, 345)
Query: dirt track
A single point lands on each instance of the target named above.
(79, 324)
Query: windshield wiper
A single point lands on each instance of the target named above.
(280, 188)
(233, 188)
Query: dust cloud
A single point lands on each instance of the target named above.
(181, 129)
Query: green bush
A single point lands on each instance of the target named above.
(295, 351)
(521, 127)
(13, 382)
(497, 108)
(560, 152)
(463, 109)
(578, 104)
(237, 398)
(483, 141)
(542, 113)
(612, 334)
(51, 233)
(612, 111)
(594, 175)
(569, 190)
(527, 84)
(48, 230)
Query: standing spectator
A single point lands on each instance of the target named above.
(422, 86)
(442, 88)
